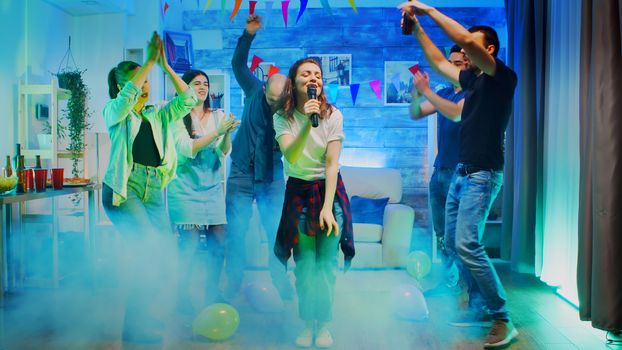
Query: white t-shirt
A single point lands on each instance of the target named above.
(312, 162)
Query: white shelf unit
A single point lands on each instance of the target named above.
(26, 93)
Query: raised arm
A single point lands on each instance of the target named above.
(477, 53)
(435, 56)
(178, 83)
(449, 109)
(119, 108)
(248, 82)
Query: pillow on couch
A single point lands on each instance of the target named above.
(368, 210)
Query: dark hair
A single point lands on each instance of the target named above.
(288, 102)
(187, 77)
(454, 49)
(490, 37)
(118, 76)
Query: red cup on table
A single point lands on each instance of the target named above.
(30, 182)
(41, 179)
(57, 178)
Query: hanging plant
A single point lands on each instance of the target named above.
(76, 114)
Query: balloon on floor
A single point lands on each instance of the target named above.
(408, 303)
(418, 264)
(263, 297)
(216, 322)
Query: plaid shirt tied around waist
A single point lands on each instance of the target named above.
(300, 194)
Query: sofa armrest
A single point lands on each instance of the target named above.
(397, 234)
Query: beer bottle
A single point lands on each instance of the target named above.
(38, 162)
(8, 169)
(22, 184)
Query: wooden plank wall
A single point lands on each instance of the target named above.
(377, 135)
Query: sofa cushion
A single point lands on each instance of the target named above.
(368, 210)
(367, 233)
(373, 182)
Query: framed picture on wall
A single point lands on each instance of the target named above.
(261, 73)
(337, 68)
(218, 89)
(398, 83)
(178, 48)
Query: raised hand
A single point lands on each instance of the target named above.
(415, 7)
(422, 82)
(153, 48)
(253, 23)
(162, 62)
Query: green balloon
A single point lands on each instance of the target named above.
(216, 322)
(418, 264)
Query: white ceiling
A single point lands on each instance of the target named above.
(91, 7)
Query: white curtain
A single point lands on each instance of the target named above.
(556, 245)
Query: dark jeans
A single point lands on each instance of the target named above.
(468, 203)
(438, 189)
(201, 246)
(148, 245)
(242, 190)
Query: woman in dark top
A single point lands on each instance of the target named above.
(142, 162)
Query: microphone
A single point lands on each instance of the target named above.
(312, 94)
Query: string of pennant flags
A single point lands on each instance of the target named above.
(269, 3)
(332, 90)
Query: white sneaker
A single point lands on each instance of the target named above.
(324, 339)
(305, 338)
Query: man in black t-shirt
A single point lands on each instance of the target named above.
(489, 89)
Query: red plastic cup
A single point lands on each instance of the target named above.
(41, 179)
(57, 178)
(30, 182)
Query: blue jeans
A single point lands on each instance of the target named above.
(242, 190)
(438, 189)
(316, 269)
(468, 203)
(148, 243)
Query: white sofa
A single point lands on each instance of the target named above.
(376, 246)
(387, 245)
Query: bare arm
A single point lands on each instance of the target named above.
(458, 34)
(327, 219)
(435, 56)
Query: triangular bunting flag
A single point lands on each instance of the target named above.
(375, 85)
(273, 70)
(251, 7)
(197, 3)
(208, 3)
(353, 6)
(268, 13)
(236, 8)
(447, 50)
(303, 7)
(165, 7)
(414, 69)
(395, 80)
(256, 61)
(327, 7)
(354, 91)
(223, 3)
(332, 90)
(284, 7)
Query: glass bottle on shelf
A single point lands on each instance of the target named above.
(38, 162)
(22, 183)
(8, 169)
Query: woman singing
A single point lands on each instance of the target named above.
(316, 211)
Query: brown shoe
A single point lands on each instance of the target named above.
(500, 334)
